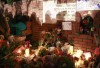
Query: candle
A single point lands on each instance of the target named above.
(27, 52)
(19, 51)
(78, 53)
(87, 55)
(79, 63)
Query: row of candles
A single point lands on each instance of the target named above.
(77, 54)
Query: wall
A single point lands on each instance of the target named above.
(97, 22)
(36, 31)
(83, 42)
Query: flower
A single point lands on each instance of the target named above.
(97, 51)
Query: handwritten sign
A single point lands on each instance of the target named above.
(54, 11)
(88, 5)
(69, 8)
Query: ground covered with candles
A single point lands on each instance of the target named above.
(52, 52)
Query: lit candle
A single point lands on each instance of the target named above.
(27, 52)
(79, 63)
(78, 53)
(87, 55)
(19, 51)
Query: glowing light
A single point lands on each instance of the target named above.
(51, 10)
(49, 6)
(37, 51)
(78, 53)
(79, 63)
(70, 51)
(27, 53)
(89, 12)
(87, 55)
(19, 51)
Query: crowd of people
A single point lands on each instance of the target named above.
(18, 25)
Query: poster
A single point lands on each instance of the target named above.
(49, 14)
(88, 5)
(66, 12)
(53, 10)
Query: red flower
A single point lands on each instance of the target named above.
(58, 51)
(3, 42)
(21, 48)
(97, 51)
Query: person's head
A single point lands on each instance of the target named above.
(25, 13)
(85, 21)
(33, 17)
(17, 18)
(25, 18)
(33, 14)
(10, 16)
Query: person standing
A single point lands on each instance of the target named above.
(28, 30)
(19, 25)
(4, 26)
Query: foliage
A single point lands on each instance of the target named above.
(50, 38)
(35, 43)
(78, 33)
(66, 62)
(71, 42)
(43, 52)
(6, 55)
(47, 58)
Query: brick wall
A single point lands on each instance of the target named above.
(47, 26)
(97, 22)
(36, 30)
(84, 42)
(81, 41)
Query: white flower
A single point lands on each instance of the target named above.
(58, 43)
(51, 48)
